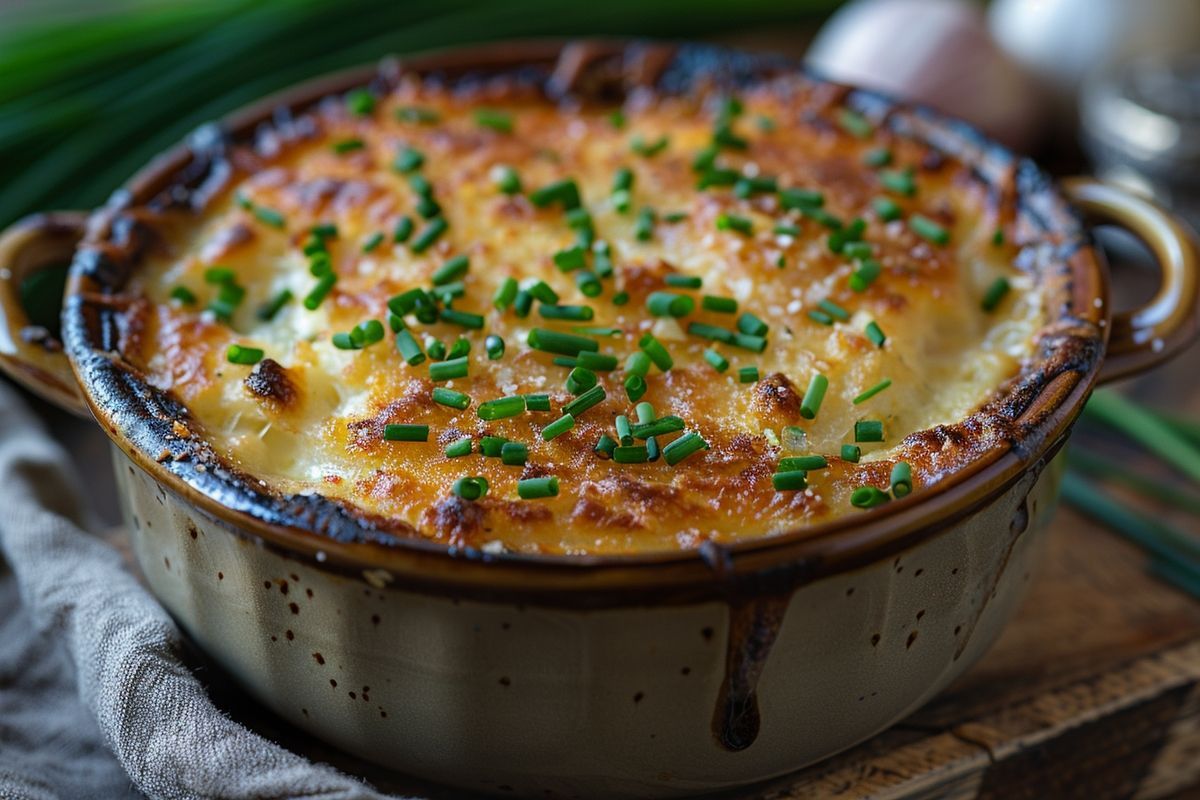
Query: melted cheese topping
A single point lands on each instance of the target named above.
(311, 419)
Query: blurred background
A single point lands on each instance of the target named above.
(90, 91)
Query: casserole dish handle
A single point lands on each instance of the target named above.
(1146, 336)
(34, 255)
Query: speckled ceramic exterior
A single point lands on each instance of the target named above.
(585, 703)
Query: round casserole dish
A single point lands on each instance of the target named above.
(667, 673)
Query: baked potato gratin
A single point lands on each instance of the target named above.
(495, 319)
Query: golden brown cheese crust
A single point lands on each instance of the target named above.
(310, 417)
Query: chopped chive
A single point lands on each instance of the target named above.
(507, 179)
(811, 403)
(448, 370)
(732, 222)
(187, 296)
(408, 348)
(622, 187)
(605, 446)
(564, 192)
(564, 344)
(998, 237)
(886, 209)
(657, 427)
(820, 317)
(449, 397)
(360, 102)
(506, 292)
(620, 298)
(403, 230)
(597, 362)
(635, 387)
(500, 121)
(822, 216)
(718, 361)
(602, 259)
(514, 454)
(683, 281)
(755, 344)
(899, 181)
(723, 136)
(794, 481)
(866, 274)
(470, 488)
(747, 187)
(868, 430)
(522, 303)
(718, 177)
(786, 230)
(851, 453)
(800, 199)
(643, 227)
(712, 332)
(367, 333)
(669, 304)
(624, 430)
(805, 463)
(580, 379)
(868, 497)
(219, 275)
(541, 291)
(875, 333)
(466, 319)
(653, 348)
(571, 258)
(616, 118)
(588, 284)
(705, 159)
(373, 241)
(348, 146)
(324, 285)
(537, 488)
(874, 390)
(435, 349)
(451, 270)
(683, 447)
(428, 208)
(421, 185)
(459, 448)
(901, 481)
(631, 454)
(425, 239)
(424, 116)
(597, 330)
(585, 401)
(557, 428)
(751, 325)
(406, 433)
(855, 123)
(721, 305)
(638, 363)
(571, 312)
(229, 297)
(494, 346)
(492, 446)
(928, 230)
(501, 407)
(834, 310)
(748, 375)
(461, 347)
(857, 250)
(648, 149)
(645, 416)
(408, 160)
(238, 354)
(537, 402)
(877, 157)
(995, 293)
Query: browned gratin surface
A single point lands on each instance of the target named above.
(310, 417)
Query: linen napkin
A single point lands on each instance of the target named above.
(94, 699)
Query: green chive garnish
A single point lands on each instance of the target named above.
(994, 294)
(899, 181)
(564, 191)
(459, 448)
(449, 397)
(705, 159)
(324, 285)
(928, 230)
(748, 375)
(470, 488)
(683, 447)
(238, 354)
(597, 362)
(851, 453)
(522, 303)
(466, 319)
(721, 305)
(622, 188)
(558, 427)
(507, 179)
(786, 230)
(834, 310)
(348, 146)
(683, 281)
(187, 296)
(494, 345)
(373, 241)
(537, 402)
(541, 291)
(564, 344)
(580, 379)
(635, 387)
(448, 370)
(901, 482)
(631, 454)
(624, 430)
(429, 235)
(868, 270)
(462, 346)
(500, 408)
(270, 309)
(656, 427)
(886, 209)
(800, 199)
(360, 102)
(571, 258)
(620, 298)
(435, 349)
(811, 403)
(514, 454)
(452, 270)
(755, 344)
(403, 230)
(712, 332)
(219, 275)
(718, 177)
(868, 430)
(579, 313)
(868, 497)
(794, 481)
(648, 149)
(616, 118)
(406, 433)
(820, 317)
(643, 227)
(998, 237)
(506, 292)
(605, 446)
(638, 363)
(408, 160)
(653, 348)
(855, 123)
(536, 488)
(805, 463)
(874, 390)
(588, 284)
(669, 304)
(424, 116)
(732, 222)
(751, 325)
(496, 120)
(857, 250)
(877, 157)
(585, 401)
(492, 446)
(747, 187)
(408, 348)
(718, 361)
(875, 333)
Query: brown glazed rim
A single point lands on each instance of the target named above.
(1042, 404)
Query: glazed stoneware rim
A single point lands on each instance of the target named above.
(796, 555)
